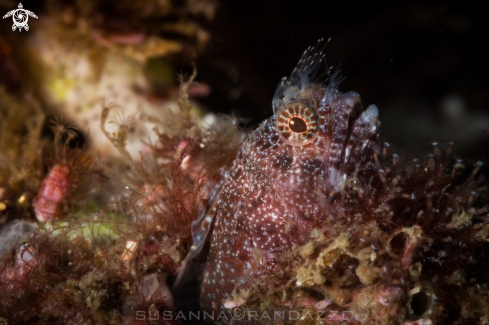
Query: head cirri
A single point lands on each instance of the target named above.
(284, 179)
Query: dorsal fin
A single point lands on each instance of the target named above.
(308, 70)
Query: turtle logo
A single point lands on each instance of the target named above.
(20, 16)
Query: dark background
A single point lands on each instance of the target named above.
(406, 57)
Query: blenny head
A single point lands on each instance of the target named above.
(315, 128)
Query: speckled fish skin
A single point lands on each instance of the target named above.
(279, 189)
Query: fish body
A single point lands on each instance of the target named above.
(284, 179)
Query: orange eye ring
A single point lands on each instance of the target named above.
(298, 123)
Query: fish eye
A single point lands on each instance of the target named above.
(298, 123)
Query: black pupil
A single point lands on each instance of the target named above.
(297, 125)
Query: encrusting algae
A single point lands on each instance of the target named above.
(319, 218)
(312, 219)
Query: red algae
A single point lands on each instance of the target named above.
(312, 219)
(317, 208)
(106, 255)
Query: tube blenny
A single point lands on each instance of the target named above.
(318, 214)
(284, 175)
